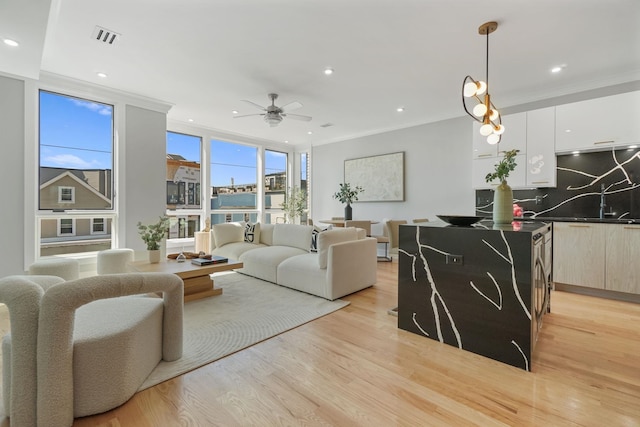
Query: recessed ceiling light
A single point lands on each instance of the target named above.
(235, 111)
(101, 75)
(310, 133)
(286, 142)
(400, 109)
(556, 69)
(11, 43)
(189, 120)
(567, 130)
(328, 71)
(575, 153)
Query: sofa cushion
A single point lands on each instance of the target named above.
(293, 235)
(252, 232)
(301, 272)
(330, 237)
(235, 249)
(228, 232)
(266, 234)
(263, 262)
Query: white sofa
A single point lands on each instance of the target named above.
(345, 260)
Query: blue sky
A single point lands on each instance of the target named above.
(74, 133)
(78, 134)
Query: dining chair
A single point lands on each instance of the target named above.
(366, 226)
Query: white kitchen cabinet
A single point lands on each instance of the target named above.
(481, 167)
(481, 148)
(541, 155)
(514, 138)
(597, 124)
(515, 134)
(579, 254)
(623, 253)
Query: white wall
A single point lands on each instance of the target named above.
(437, 172)
(143, 187)
(12, 111)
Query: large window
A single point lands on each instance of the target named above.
(275, 185)
(304, 184)
(234, 174)
(183, 184)
(75, 174)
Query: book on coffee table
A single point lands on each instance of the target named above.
(215, 259)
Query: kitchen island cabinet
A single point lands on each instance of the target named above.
(478, 288)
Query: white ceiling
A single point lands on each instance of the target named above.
(205, 56)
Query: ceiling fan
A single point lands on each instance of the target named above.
(274, 114)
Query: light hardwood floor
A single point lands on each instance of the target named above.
(354, 367)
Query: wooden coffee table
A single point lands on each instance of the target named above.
(197, 282)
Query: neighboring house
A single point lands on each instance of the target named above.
(64, 189)
(183, 183)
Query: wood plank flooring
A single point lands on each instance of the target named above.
(354, 367)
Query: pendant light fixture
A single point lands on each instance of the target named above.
(484, 112)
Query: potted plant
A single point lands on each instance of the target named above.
(503, 195)
(152, 235)
(348, 195)
(294, 205)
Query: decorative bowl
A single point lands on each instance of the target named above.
(460, 220)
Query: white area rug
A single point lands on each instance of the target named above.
(248, 311)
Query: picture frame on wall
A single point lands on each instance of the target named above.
(381, 177)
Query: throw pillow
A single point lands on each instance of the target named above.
(252, 233)
(314, 236)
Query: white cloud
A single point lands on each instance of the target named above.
(67, 161)
(105, 110)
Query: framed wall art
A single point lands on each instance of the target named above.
(382, 177)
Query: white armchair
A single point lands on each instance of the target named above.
(95, 349)
(22, 295)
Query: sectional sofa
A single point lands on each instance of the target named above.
(343, 261)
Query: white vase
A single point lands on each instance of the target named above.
(154, 256)
(503, 204)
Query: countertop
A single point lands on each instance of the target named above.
(577, 219)
(523, 226)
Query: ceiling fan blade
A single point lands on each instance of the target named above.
(291, 106)
(298, 117)
(259, 107)
(248, 115)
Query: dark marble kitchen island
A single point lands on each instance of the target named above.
(472, 287)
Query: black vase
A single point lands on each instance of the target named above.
(347, 212)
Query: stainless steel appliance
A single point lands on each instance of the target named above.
(541, 276)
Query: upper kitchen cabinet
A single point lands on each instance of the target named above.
(515, 134)
(513, 138)
(541, 156)
(598, 124)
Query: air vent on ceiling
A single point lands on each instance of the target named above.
(105, 36)
(326, 125)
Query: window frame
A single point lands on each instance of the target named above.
(61, 199)
(59, 227)
(92, 222)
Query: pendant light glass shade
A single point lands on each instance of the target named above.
(484, 112)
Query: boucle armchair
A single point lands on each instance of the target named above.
(95, 349)
(22, 295)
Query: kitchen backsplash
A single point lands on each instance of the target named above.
(578, 190)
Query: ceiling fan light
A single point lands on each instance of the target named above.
(486, 130)
(480, 110)
(470, 89)
(498, 130)
(493, 139)
(482, 87)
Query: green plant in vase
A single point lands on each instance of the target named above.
(152, 235)
(348, 195)
(503, 195)
(295, 204)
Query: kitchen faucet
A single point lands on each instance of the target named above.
(602, 201)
